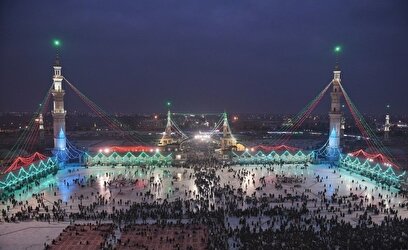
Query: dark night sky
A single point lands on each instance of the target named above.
(242, 56)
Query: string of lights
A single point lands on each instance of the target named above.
(368, 135)
(110, 121)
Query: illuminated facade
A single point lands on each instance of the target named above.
(379, 171)
(41, 128)
(129, 159)
(335, 116)
(166, 138)
(58, 112)
(272, 157)
(26, 174)
(387, 126)
(227, 141)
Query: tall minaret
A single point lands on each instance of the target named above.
(387, 125)
(58, 112)
(227, 141)
(387, 128)
(41, 128)
(335, 114)
(166, 138)
(342, 126)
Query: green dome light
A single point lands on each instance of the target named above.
(337, 49)
(56, 43)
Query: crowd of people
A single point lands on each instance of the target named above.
(84, 236)
(280, 211)
(330, 234)
(164, 236)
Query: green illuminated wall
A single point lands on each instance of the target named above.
(129, 158)
(371, 169)
(260, 157)
(28, 174)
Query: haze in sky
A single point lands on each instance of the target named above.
(241, 56)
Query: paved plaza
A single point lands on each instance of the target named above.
(106, 189)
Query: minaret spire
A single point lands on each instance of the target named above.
(168, 125)
(58, 112)
(166, 138)
(387, 124)
(337, 51)
(335, 115)
(227, 141)
(41, 128)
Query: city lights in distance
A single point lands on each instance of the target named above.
(202, 136)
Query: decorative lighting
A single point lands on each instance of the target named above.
(337, 49)
(56, 43)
